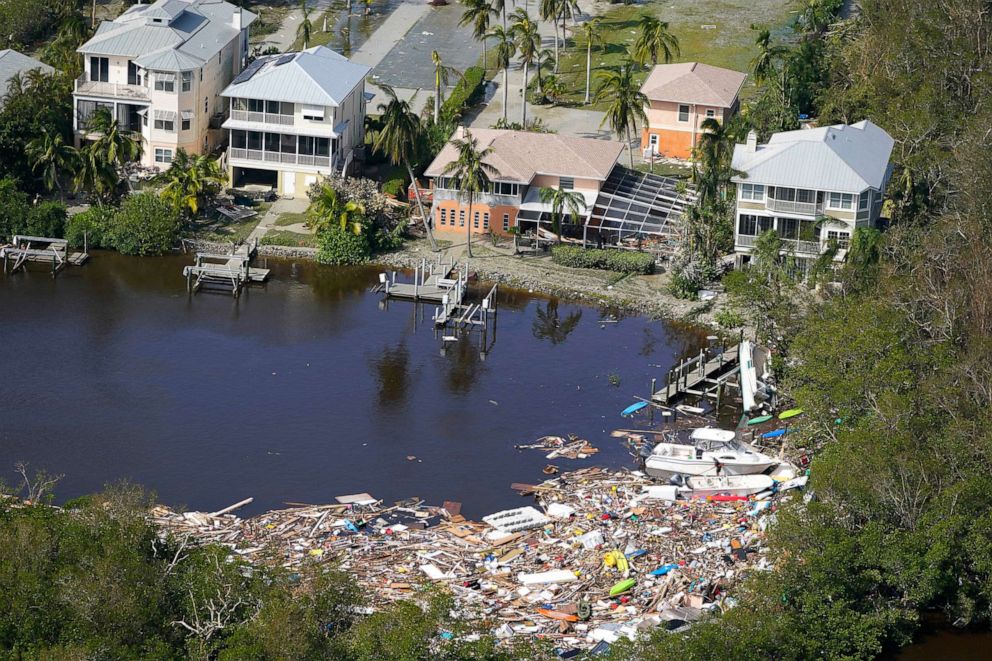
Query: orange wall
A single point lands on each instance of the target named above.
(673, 144)
(451, 209)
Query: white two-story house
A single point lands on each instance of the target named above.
(812, 186)
(294, 119)
(159, 69)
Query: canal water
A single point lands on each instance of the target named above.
(304, 389)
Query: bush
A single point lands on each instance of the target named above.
(47, 219)
(465, 92)
(93, 224)
(621, 261)
(14, 209)
(689, 275)
(395, 185)
(729, 318)
(341, 247)
(143, 225)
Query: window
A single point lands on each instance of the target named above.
(842, 201)
(506, 222)
(206, 107)
(864, 200)
(843, 239)
(566, 183)
(485, 221)
(99, 69)
(313, 113)
(187, 81)
(133, 74)
(683, 113)
(165, 120)
(475, 220)
(805, 196)
(753, 192)
(163, 155)
(461, 218)
(256, 105)
(750, 225)
(187, 118)
(788, 228)
(505, 188)
(444, 216)
(165, 82)
(710, 113)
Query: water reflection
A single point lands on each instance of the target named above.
(392, 373)
(548, 326)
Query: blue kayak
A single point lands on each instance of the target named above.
(775, 433)
(633, 408)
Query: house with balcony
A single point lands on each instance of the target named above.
(680, 98)
(813, 187)
(160, 69)
(526, 163)
(294, 119)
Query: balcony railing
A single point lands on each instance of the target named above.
(488, 199)
(795, 245)
(114, 90)
(262, 117)
(279, 157)
(805, 208)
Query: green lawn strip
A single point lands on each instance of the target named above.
(286, 219)
(234, 232)
(290, 239)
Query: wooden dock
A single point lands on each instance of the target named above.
(444, 283)
(40, 250)
(705, 375)
(225, 271)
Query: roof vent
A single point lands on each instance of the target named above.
(752, 141)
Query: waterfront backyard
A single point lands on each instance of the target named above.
(307, 388)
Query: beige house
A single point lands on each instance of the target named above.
(160, 69)
(294, 119)
(680, 98)
(813, 187)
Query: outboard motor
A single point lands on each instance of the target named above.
(645, 450)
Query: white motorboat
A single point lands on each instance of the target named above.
(730, 485)
(713, 452)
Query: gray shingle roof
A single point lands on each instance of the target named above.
(12, 63)
(195, 29)
(844, 158)
(317, 76)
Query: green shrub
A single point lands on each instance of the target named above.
(91, 224)
(47, 219)
(729, 318)
(465, 92)
(339, 247)
(14, 209)
(621, 261)
(395, 185)
(143, 225)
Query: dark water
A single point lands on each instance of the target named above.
(304, 389)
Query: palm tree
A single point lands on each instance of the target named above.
(441, 73)
(191, 181)
(504, 52)
(545, 57)
(528, 43)
(711, 171)
(591, 32)
(562, 202)
(499, 6)
(93, 172)
(550, 10)
(763, 66)
(328, 210)
(472, 174)
(303, 31)
(50, 155)
(398, 138)
(477, 14)
(626, 101)
(569, 9)
(117, 146)
(654, 39)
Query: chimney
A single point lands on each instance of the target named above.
(752, 141)
(237, 18)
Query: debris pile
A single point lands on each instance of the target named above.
(605, 554)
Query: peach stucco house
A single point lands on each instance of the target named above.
(680, 98)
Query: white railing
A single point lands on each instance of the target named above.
(97, 88)
(262, 117)
(806, 247)
(279, 157)
(785, 206)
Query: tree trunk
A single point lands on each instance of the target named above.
(468, 226)
(485, 59)
(588, 70)
(506, 88)
(523, 98)
(630, 150)
(554, 25)
(437, 98)
(93, 16)
(420, 206)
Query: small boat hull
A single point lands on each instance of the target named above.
(666, 467)
(730, 485)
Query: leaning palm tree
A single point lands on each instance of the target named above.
(191, 181)
(591, 32)
(504, 51)
(441, 74)
(562, 202)
(528, 43)
(399, 135)
(51, 156)
(471, 173)
(626, 102)
(654, 39)
(305, 27)
(118, 146)
(477, 14)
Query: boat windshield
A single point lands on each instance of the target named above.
(714, 445)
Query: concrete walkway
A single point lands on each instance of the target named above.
(298, 204)
(284, 37)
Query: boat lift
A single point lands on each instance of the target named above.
(40, 249)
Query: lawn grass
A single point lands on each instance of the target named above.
(727, 39)
(224, 230)
(286, 219)
(290, 239)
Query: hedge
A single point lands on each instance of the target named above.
(465, 91)
(621, 261)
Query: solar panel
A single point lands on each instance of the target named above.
(249, 71)
(284, 59)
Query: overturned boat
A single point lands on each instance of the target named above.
(713, 452)
(703, 486)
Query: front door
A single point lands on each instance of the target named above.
(289, 184)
